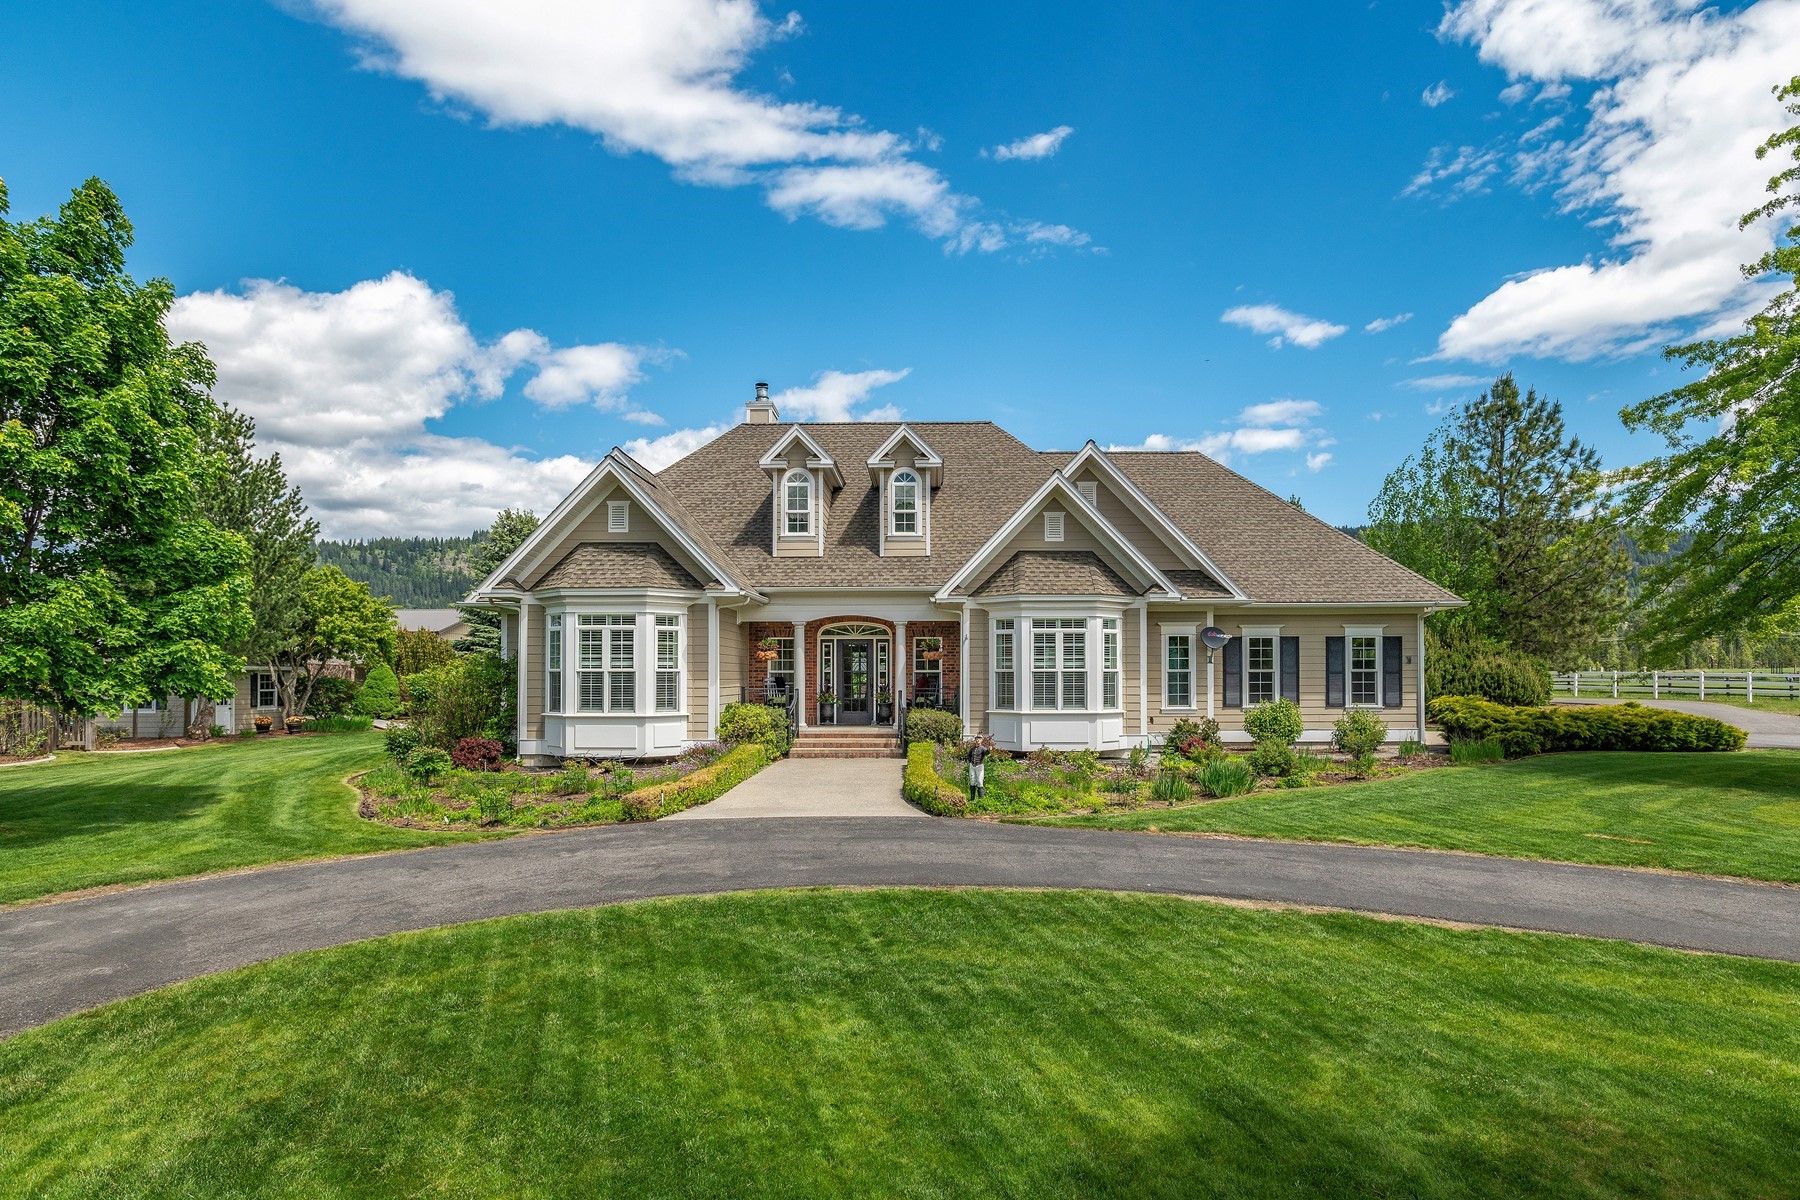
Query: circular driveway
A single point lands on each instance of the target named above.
(62, 957)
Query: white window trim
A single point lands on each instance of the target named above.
(1192, 634)
(994, 634)
(1246, 632)
(1376, 632)
(643, 653)
(274, 690)
(1025, 662)
(618, 516)
(558, 625)
(918, 509)
(812, 504)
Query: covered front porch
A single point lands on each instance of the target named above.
(854, 669)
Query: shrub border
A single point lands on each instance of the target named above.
(707, 784)
(923, 786)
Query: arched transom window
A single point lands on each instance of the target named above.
(797, 502)
(905, 503)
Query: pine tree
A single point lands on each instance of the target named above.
(510, 529)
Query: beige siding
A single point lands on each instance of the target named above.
(1133, 530)
(534, 674)
(731, 657)
(1129, 670)
(1031, 537)
(641, 527)
(975, 669)
(907, 547)
(699, 711)
(1312, 628)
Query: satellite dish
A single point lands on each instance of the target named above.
(1214, 637)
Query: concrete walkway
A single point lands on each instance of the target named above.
(61, 958)
(1767, 730)
(813, 787)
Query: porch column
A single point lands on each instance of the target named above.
(524, 641)
(902, 667)
(712, 666)
(962, 668)
(800, 673)
(1143, 680)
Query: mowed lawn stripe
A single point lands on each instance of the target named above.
(926, 1044)
(1724, 814)
(89, 820)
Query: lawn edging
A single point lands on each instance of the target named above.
(923, 786)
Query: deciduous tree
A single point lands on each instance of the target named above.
(338, 619)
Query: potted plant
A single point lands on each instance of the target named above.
(295, 723)
(766, 651)
(827, 708)
(884, 706)
(263, 722)
(931, 649)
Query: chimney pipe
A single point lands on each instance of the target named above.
(761, 411)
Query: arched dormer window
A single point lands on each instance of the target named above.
(796, 491)
(904, 503)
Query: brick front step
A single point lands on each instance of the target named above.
(842, 752)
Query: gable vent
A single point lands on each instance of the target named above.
(618, 516)
(1053, 527)
(1090, 491)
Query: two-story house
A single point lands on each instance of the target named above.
(1054, 598)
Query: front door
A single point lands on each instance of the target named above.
(855, 673)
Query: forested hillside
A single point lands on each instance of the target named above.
(416, 572)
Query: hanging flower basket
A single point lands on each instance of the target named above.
(766, 651)
(931, 649)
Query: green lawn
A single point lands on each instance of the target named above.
(926, 1044)
(1727, 814)
(88, 820)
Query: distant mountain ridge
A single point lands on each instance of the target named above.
(415, 572)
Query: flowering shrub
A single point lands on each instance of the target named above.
(477, 754)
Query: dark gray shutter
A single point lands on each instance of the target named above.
(1334, 672)
(1390, 672)
(1290, 669)
(1234, 673)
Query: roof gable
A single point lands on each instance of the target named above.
(1158, 522)
(780, 456)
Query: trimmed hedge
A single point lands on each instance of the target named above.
(708, 783)
(926, 788)
(933, 725)
(1533, 730)
(764, 724)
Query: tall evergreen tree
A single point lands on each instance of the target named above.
(1735, 488)
(1505, 509)
(508, 532)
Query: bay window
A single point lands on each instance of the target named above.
(606, 663)
(553, 664)
(1109, 663)
(1058, 663)
(1178, 671)
(1005, 672)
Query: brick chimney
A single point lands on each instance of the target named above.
(761, 411)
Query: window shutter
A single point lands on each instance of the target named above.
(1334, 672)
(1290, 669)
(1234, 673)
(1391, 659)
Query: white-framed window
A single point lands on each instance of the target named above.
(1053, 526)
(781, 667)
(928, 673)
(796, 503)
(1260, 665)
(1363, 666)
(903, 504)
(668, 663)
(606, 663)
(1090, 491)
(883, 676)
(1109, 662)
(827, 679)
(263, 692)
(553, 663)
(618, 516)
(1006, 684)
(1059, 663)
(1178, 670)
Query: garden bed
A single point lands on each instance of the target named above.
(579, 794)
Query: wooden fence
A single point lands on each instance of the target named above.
(1678, 685)
(27, 730)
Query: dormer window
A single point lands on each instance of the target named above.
(905, 504)
(797, 503)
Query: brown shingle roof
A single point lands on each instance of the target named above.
(1273, 551)
(1055, 572)
(617, 564)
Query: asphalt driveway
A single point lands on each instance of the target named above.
(1767, 730)
(63, 957)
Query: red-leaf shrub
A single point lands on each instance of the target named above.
(477, 754)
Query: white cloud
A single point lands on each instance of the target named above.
(1461, 170)
(1665, 161)
(1383, 324)
(833, 395)
(1038, 145)
(1303, 331)
(1277, 425)
(657, 453)
(342, 385)
(1318, 462)
(660, 77)
(1281, 412)
(1439, 383)
(1436, 94)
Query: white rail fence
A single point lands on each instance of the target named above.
(1678, 685)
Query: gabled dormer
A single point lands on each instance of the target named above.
(904, 472)
(802, 478)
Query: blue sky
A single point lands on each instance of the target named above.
(446, 260)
